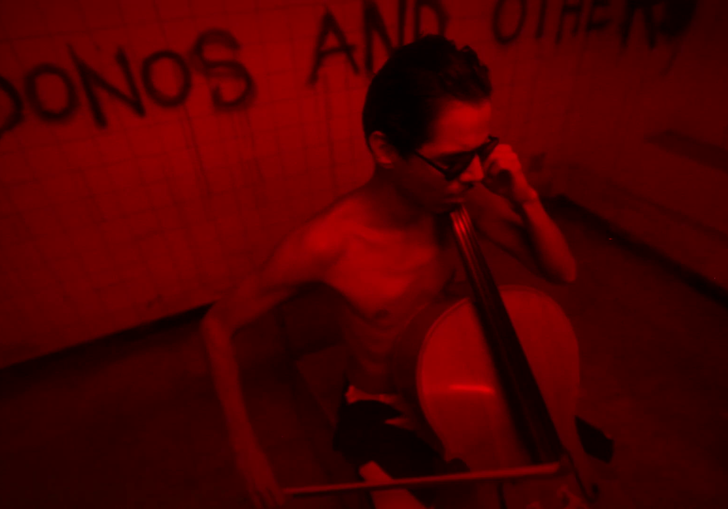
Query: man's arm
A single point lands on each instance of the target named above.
(523, 230)
(302, 257)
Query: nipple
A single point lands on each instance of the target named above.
(381, 314)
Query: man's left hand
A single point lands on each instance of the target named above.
(504, 176)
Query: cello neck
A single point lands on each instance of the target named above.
(527, 406)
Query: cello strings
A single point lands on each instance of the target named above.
(513, 393)
(522, 383)
(500, 316)
(496, 323)
(539, 418)
(476, 262)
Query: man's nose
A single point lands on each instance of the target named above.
(474, 172)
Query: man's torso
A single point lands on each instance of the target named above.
(385, 276)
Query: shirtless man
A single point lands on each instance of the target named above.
(386, 248)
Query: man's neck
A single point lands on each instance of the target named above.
(392, 208)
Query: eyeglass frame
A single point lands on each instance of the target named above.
(482, 151)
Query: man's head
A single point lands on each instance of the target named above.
(429, 103)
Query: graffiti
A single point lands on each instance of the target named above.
(15, 116)
(31, 92)
(497, 17)
(222, 68)
(440, 14)
(329, 25)
(676, 17)
(153, 92)
(373, 23)
(92, 81)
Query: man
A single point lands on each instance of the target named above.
(386, 248)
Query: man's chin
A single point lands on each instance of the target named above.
(456, 200)
(447, 207)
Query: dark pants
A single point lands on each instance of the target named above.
(362, 436)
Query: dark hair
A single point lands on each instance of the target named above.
(407, 93)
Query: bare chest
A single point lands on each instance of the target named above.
(386, 279)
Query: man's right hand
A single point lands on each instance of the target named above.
(260, 483)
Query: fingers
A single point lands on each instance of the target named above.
(504, 179)
(502, 170)
(270, 499)
(267, 499)
(498, 176)
(499, 164)
(273, 497)
(257, 500)
(503, 175)
(280, 497)
(260, 483)
(267, 495)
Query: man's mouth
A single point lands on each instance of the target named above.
(462, 193)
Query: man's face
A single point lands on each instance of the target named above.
(460, 127)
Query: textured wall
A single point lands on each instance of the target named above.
(130, 191)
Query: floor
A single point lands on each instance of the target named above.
(134, 422)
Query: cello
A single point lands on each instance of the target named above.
(496, 376)
(494, 379)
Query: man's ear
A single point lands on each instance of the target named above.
(384, 153)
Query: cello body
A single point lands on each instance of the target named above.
(443, 366)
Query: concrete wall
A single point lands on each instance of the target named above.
(146, 197)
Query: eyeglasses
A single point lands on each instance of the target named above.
(460, 162)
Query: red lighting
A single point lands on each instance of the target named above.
(472, 388)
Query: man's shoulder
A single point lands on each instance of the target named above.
(338, 218)
(326, 233)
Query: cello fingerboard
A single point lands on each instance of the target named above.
(526, 403)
